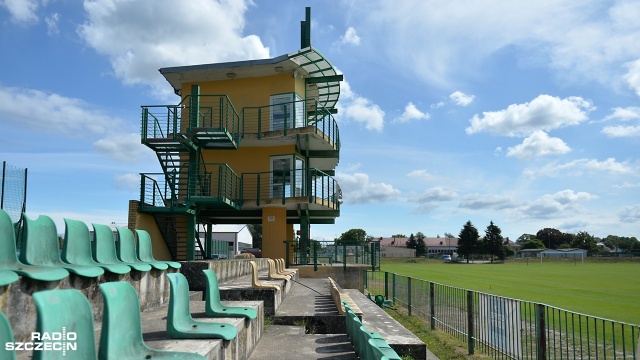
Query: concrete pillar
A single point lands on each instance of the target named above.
(274, 232)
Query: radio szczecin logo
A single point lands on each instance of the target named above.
(47, 341)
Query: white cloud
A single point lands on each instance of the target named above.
(130, 182)
(437, 105)
(421, 174)
(580, 166)
(356, 189)
(22, 11)
(360, 109)
(550, 205)
(350, 37)
(578, 40)
(630, 214)
(538, 144)
(632, 77)
(411, 112)
(545, 112)
(123, 147)
(480, 201)
(461, 99)
(52, 24)
(623, 114)
(53, 113)
(621, 131)
(138, 41)
(437, 193)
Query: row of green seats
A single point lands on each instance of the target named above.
(121, 335)
(369, 345)
(41, 259)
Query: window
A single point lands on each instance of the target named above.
(287, 111)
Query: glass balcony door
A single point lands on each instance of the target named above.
(287, 111)
(287, 176)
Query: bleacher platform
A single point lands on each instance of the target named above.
(146, 300)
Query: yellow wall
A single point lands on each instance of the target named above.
(250, 91)
(251, 159)
(274, 232)
(148, 223)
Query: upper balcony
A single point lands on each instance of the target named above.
(210, 121)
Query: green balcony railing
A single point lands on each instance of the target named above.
(291, 115)
(215, 113)
(211, 183)
(306, 185)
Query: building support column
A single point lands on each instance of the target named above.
(191, 237)
(304, 240)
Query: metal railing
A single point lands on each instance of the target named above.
(333, 252)
(211, 182)
(214, 112)
(291, 115)
(506, 328)
(313, 186)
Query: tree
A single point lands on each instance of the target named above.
(524, 238)
(493, 241)
(468, 240)
(621, 243)
(412, 243)
(586, 241)
(398, 236)
(553, 238)
(533, 244)
(421, 247)
(448, 235)
(256, 235)
(353, 235)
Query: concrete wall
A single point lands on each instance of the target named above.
(349, 279)
(226, 270)
(17, 304)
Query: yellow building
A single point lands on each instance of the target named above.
(251, 142)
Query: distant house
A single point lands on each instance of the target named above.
(397, 247)
(228, 239)
(564, 253)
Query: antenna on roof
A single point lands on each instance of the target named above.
(305, 29)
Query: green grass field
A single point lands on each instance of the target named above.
(609, 290)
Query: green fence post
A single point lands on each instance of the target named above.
(386, 285)
(344, 256)
(393, 288)
(373, 257)
(432, 305)
(470, 334)
(409, 295)
(541, 340)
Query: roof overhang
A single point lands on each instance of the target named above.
(322, 80)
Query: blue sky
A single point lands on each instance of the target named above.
(526, 114)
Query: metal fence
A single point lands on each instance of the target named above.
(13, 194)
(506, 328)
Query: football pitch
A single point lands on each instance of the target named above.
(609, 290)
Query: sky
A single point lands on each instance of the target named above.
(522, 113)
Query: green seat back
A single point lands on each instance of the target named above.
(77, 247)
(7, 277)
(104, 248)
(40, 247)
(180, 324)
(65, 311)
(214, 307)
(121, 336)
(9, 260)
(380, 349)
(6, 336)
(145, 252)
(126, 246)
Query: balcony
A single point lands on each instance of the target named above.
(210, 121)
(291, 188)
(306, 123)
(210, 186)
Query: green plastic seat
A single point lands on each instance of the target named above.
(180, 324)
(40, 247)
(104, 249)
(121, 336)
(145, 252)
(214, 308)
(9, 260)
(65, 311)
(126, 249)
(380, 349)
(7, 277)
(77, 248)
(6, 336)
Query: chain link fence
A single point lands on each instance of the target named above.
(13, 194)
